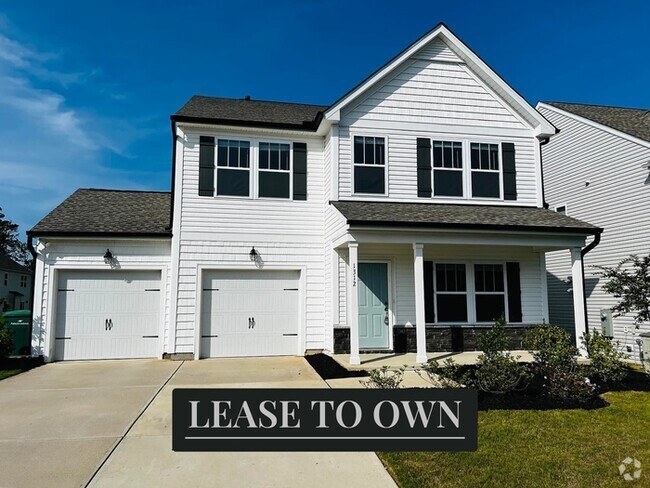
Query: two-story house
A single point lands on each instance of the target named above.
(15, 285)
(597, 168)
(405, 216)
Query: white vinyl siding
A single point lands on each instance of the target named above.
(616, 199)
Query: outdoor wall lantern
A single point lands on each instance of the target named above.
(253, 254)
(108, 257)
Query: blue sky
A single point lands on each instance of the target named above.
(86, 88)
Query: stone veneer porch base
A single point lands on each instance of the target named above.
(439, 338)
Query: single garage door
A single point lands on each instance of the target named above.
(249, 313)
(108, 314)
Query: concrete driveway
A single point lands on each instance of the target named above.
(108, 424)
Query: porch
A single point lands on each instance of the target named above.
(405, 291)
(397, 360)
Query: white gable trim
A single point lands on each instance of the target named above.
(597, 125)
(541, 126)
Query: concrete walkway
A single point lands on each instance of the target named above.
(108, 424)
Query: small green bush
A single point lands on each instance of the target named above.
(385, 378)
(6, 340)
(607, 362)
(498, 371)
(556, 367)
(448, 374)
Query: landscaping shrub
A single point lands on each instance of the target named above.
(448, 374)
(384, 378)
(607, 362)
(498, 371)
(556, 367)
(6, 340)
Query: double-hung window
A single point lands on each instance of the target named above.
(369, 165)
(486, 175)
(451, 293)
(233, 167)
(447, 169)
(490, 292)
(274, 170)
(23, 281)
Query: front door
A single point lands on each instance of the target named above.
(373, 306)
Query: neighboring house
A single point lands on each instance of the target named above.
(405, 216)
(15, 285)
(598, 169)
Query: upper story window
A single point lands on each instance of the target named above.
(233, 168)
(486, 175)
(6, 280)
(274, 170)
(252, 168)
(448, 168)
(23, 281)
(561, 210)
(369, 165)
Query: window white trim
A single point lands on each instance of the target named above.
(253, 167)
(499, 145)
(470, 292)
(386, 139)
(564, 206)
(462, 169)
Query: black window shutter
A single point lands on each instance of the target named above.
(206, 166)
(424, 167)
(509, 171)
(299, 171)
(514, 292)
(429, 310)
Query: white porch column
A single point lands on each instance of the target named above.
(420, 321)
(578, 286)
(353, 301)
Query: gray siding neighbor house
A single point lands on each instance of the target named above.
(15, 285)
(598, 169)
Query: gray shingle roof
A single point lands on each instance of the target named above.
(237, 111)
(460, 216)
(8, 264)
(108, 212)
(632, 121)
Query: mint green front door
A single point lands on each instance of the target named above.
(374, 327)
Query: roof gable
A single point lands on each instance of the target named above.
(442, 45)
(8, 264)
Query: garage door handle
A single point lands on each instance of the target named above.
(251, 322)
(106, 324)
(110, 324)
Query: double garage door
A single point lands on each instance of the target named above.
(249, 313)
(108, 315)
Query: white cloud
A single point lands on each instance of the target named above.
(49, 146)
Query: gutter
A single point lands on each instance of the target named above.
(583, 253)
(32, 251)
(171, 206)
(543, 142)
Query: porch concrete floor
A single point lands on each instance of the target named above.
(397, 360)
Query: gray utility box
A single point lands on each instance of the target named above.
(606, 322)
(645, 348)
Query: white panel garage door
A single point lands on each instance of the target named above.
(249, 313)
(108, 314)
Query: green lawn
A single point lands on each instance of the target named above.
(6, 373)
(534, 448)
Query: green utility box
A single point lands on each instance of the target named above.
(17, 322)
